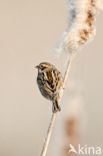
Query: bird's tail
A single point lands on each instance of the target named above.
(56, 107)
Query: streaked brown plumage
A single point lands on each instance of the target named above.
(49, 81)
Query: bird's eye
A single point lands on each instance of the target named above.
(43, 67)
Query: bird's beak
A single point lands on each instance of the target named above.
(37, 66)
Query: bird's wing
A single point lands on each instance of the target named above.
(49, 80)
(52, 80)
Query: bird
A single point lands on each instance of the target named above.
(50, 80)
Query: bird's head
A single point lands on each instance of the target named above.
(43, 66)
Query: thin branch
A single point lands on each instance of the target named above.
(50, 129)
(66, 75)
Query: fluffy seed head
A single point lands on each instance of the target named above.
(80, 23)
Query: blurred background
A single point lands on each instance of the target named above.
(29, 31)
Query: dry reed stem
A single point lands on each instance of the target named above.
(50, 129)
(51, 125)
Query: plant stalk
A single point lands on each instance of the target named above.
(50, 129)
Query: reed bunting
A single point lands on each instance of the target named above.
(49, 81)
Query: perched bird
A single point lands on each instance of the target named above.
(49, 81)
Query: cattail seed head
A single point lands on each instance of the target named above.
(80, 23)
